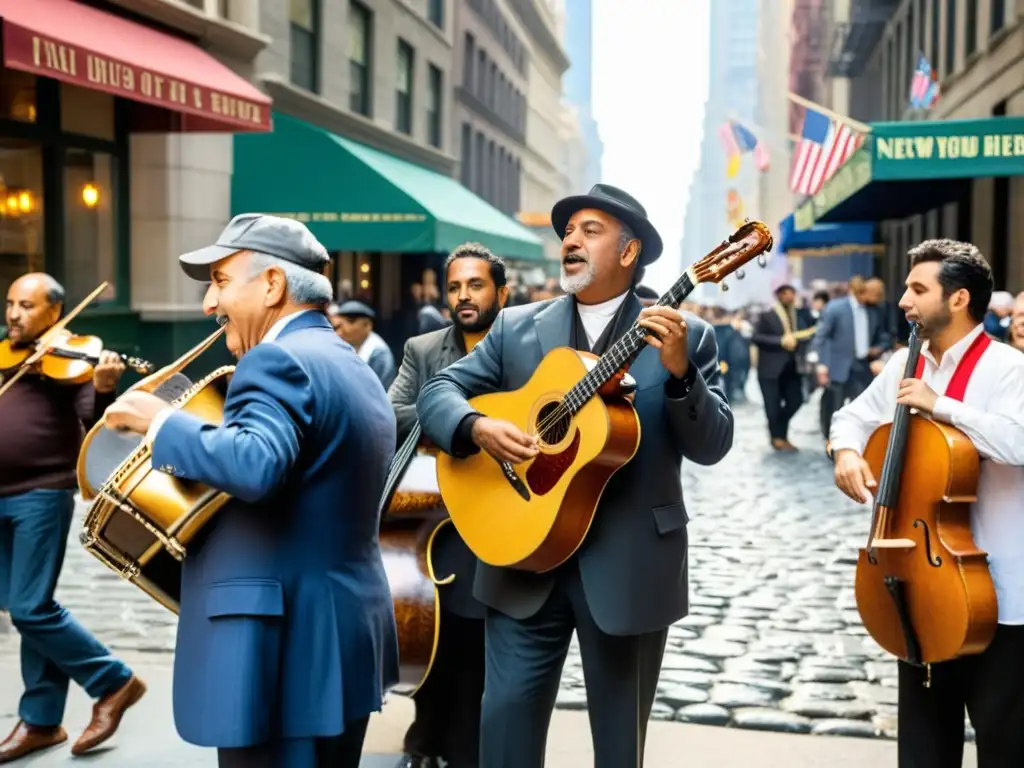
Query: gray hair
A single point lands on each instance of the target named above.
(304, 286)
(626, 235)
(54, 290)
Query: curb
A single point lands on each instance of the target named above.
(5, 623)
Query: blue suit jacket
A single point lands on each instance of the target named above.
(633, 563)
(287, 627)
(834, 341)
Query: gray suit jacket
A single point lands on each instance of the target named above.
(424, 356)
(834, 341)
(633, 563)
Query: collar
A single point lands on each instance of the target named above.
(372, 344)
(958, 350)
(604, 308)
(854, 303)
(276, 328)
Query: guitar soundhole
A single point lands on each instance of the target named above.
(553, 423)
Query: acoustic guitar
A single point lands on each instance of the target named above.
(535, 515)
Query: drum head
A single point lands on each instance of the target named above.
(109, 448)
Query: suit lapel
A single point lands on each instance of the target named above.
(554, 324)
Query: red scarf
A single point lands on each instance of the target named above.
(958, 384)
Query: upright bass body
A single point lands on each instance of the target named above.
(923, 587)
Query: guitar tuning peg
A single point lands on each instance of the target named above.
(725, 287)
(740, 274)
(762, 261)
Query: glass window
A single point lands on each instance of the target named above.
(435, 13)
(950, 36)
(86, 112)
(17, 95)
(997, 16)
(403, 92)
(21, 212)
(466, 171)
(933, 53)
(304, 37)
(435, 105)
(971, 28)
(467, 62)
(90, 235)
(359, 23)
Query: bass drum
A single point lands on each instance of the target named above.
(406, 547)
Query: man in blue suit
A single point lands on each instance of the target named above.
(628, 582)
(286, 637)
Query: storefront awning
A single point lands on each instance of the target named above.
(86, 46)
(855, 235)
(910, 167)
(356, 198)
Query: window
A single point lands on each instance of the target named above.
(21, 222)
(224, 9)
(492, 177)
(305, 38)
(17, 96)
(468, 54)
(971, 28)
(466, 172)
(359, 30)
(933, 54)
(435, 13)
(481, 74)
(403, 105)
(950, 36)
(478, 164)
(90, 236)
(492, 85)
(435, 105)
(996, 16)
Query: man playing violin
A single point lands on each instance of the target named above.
(947, 295)
(44, 422)
(628, 582)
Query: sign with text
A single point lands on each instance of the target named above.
(33, 52)
(948, 149)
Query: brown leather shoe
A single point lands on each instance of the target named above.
(107, 714)
(26, 739)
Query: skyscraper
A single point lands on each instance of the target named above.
(577, 81)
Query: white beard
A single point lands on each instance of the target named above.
(573, 284)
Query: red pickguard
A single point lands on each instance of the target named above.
(547, 469)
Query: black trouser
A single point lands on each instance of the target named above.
(836, 394)
(447, 722)
(342, 751)
(990, 685)
(783, 397)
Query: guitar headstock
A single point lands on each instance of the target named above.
(139, 365)
(752, 240)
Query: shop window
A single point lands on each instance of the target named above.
(359, 31)
(21, 212)
(90, 236)
(304, 23)
(403, 91)
(435, 105)
(86, 112)
(17, 96)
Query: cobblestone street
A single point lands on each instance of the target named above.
(773, 640)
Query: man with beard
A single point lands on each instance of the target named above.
(447, 723)
(44, 422)
(977, 386)
(627, 583)
(286, 636)
(851, 333)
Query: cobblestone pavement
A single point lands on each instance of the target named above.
(773, 640)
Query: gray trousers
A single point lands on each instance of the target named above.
(524, 660)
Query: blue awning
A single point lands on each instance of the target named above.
(824, 236)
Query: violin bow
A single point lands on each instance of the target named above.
(43, 345)
(154, 380)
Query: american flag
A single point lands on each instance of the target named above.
(748, 142)
(924, 91)
(824, 146)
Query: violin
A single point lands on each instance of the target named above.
(66, 358)
(923, 588)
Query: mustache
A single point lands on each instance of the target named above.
(575, 255)
(461, 307)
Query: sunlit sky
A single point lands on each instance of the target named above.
(650, 70)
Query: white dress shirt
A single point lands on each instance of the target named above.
(596, 317)
(861, 332)
(270, 335)
(992, 416)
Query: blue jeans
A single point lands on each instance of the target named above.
(55, 648)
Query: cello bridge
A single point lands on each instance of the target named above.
(893, 544)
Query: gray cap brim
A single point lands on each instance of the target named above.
(197, 263)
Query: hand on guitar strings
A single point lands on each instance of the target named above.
(134, 412)
(917, 394)
(670, 335)
(853, 476)
(503, 440)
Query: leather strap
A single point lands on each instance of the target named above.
(962, 375)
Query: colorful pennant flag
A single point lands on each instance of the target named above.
(924, 88)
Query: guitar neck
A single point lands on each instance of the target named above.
(625, 350)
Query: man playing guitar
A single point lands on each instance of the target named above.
(628, 582)
(947, 294)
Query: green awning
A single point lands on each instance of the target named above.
(356, 198)
(910, 167)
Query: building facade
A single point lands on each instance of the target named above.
(578, 37)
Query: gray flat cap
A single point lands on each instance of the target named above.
(353, 308)
(271, 235)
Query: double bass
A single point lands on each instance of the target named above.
(923, 587)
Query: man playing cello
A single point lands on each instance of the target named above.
(43, 424)
(947, 294)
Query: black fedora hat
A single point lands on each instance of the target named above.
(619, 204)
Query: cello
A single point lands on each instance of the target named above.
(923, 588)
